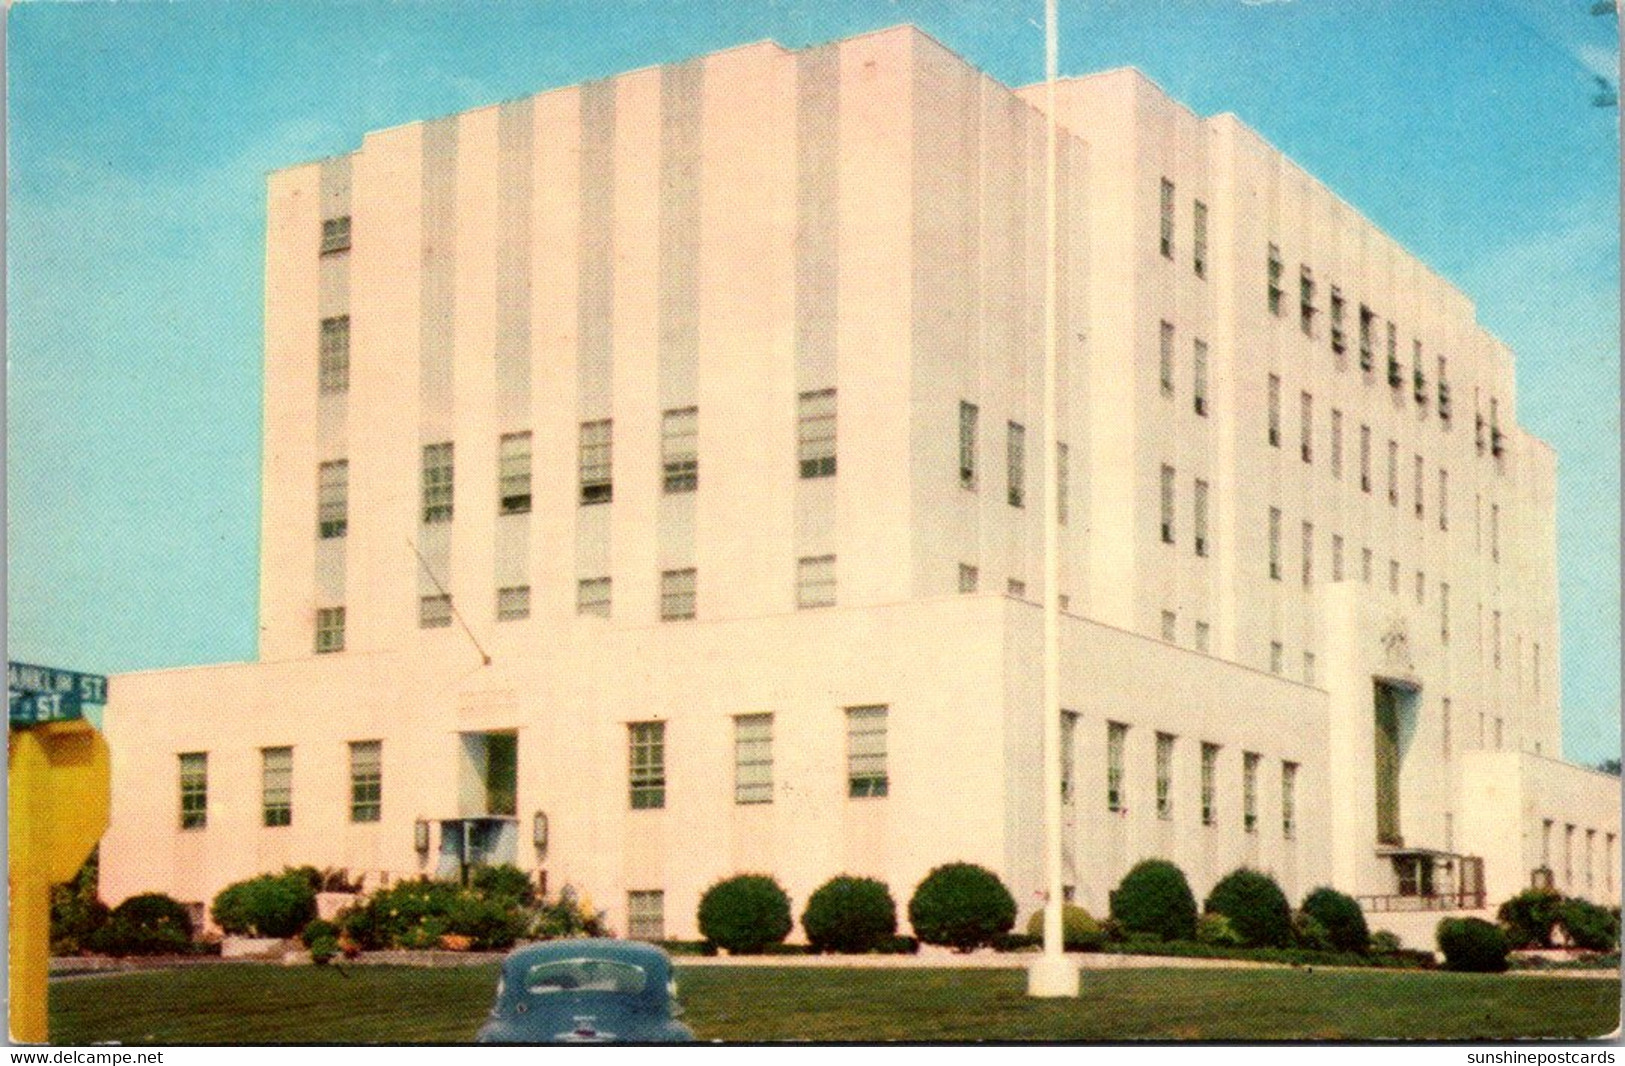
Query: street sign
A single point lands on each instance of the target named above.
(32, 708)
(85, 688)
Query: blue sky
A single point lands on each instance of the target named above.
(140, 134)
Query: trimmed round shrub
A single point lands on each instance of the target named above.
(1256, 907)
(1216, 930)
(849, 915)
(1529, 917)
(322, 949)
(962, 906)
(744, 914)
(1472, 945)
(489, 924)
(504, 881)
(149, 924)
(316, 930)
(1309, 934)
(1589, 926)
(75, 917)
(1079, 930)
(1154, 897)
(1341, 917)
(274, 905)
(1383, 942)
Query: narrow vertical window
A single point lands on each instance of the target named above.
(1015, 467)
(866, 752)
(1337, 557)
(1417, 482)
(646, 916)
(1495, 532)
(1277, 657)
(276, 786)
(815, 582)
(1444, 614)
(1419, 381)
(1289, 799)
(1337, 444)
(1210, 763)
(1069, 757)
(1169, 624)
(593, 596)
(1365, 458)
(1199, 516)
(366, 780)
(1063, 468)
(595, 461)
(1203, 637)
(1165, 776)
(815, 433)
(329, 630)
(1496, 633)
(1249, 791)
(1367, 318)
(335, 234)
(1275, 543)
(967, 445)
(1339, 341)
(334, 368)
(438, 471)
(332, 499)
(513, 473)
(1166, 229)
(1199, 238)
(1393, 576)
(677, 595)
(513, 603)
(679, 450)
(1167, 505)
(1444, 500)
(1394, 378)
(1199, 377)
(968, 577)
(1444, 726)
(1365, 565)
(1306, 431)
(194, 782)
(1273, 277)
(647, 774)
(1165, 358)
(1116, 740)
(753, 758)
(1306, 300)
(1274, 411)
(1309, 668)
(1393, 473)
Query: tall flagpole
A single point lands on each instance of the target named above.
(1052, 975)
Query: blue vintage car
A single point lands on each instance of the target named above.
(585, 992)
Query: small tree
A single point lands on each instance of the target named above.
(961, 905)
(273, 905)
(1341, 917)
(1529, 917)
(1154, 897)
(851, 915)
(744, 914)
(1589, 926)
(1256, 907)
(1079, 930)
(149, 924)
(1472, 945)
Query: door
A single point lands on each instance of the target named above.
(1387, 765)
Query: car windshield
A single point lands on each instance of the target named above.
(585, 975)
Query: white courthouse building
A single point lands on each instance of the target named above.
(651, 495)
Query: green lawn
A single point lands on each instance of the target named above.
(377, 1004)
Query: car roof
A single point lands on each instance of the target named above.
(628, 951)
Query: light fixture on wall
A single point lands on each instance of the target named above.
(420, 836)
(538, 833)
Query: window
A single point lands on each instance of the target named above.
(513, 473)
(1306, 301)
(434, 612)
(1444, 394)
(1016, 588)
(513, 603)
(676, 595)
(1309, 668)
(1534, 666)
(1591, 839)
(1339, 344)
(1210, 763)
(1165, 355)
(1367, 318)
(646, 916)
(815, 433)
(438, 464)
(366, 780)
(1337, 444)
(1116, 740)
(335, 234)
(1199, 239)
(1444, 726)
(815, 582)
(1274, 411)
(1289, 804)
(1497, 641)
(1568, 850)
(1393, 473)
(1274, 279)
(1249, 792)
(967, 445)
(596, 461)
(1337, 557)
(1199, 377)
(1169, 626)
(1016, 463)
(1306, 423)
(1365, 565)
(1394, 378)
(1495, 532)
(1417, 500)
(1069, 756)
(679, 450)
(1546, 843)
(1167, 227)
(1275, 543)
(1421, 586)
(967, 577)
(276, 786)
(1365, 458)
(647, 748)
(1199, 516)
(866, 752)
(1203, 636)
(1165, 776)
(1277, 655)
(753, 758)
(1418, 379)
(592, 596)
(1308, 554)
(329, 630)
(1167, 505)
(334, 366)
(194, 790)
(1063, 466)
(332, 499)
(1393, 576)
